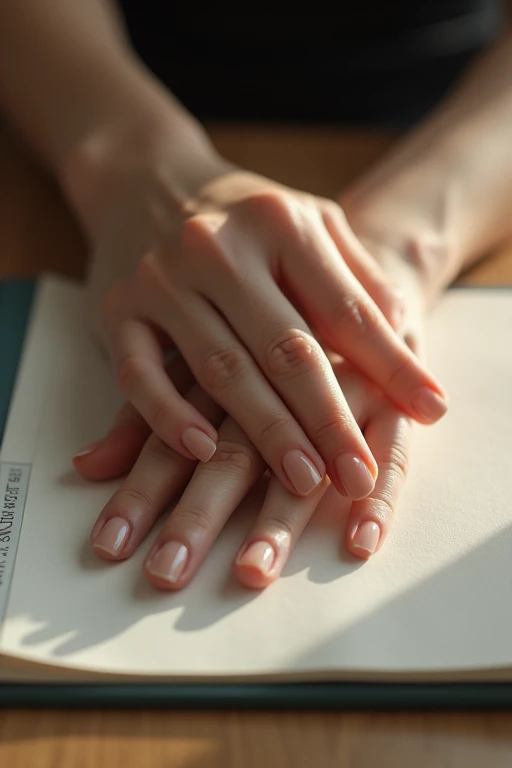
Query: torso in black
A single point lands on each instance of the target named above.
(359, 61)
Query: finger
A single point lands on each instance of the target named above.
(157, 475)
(296, 365)
(141, 376)
(212, 495)
(350, 322)
(116, 453)
(228, 373)
(268, 545)
(388, 433)
(367, 271)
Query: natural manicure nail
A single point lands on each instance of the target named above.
(354, 475)
(301, 472)
(113, 536)
(169, 561)
(429, 405)
(198, 443)
(366, 538)
(259, 555)
(87, 449)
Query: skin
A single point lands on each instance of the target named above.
(423, 214)
(228, 267)
(248, 279)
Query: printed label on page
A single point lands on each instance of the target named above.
(13, 494)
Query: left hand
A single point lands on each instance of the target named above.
(213, 490)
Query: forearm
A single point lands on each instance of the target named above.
(67, 74)
(443, 197)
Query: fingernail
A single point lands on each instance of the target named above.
(302, 474)
(198, 443)
(113, 536)
(366, 538)
(87, 449)
(259, 555)
(169, 562)
(355, 476)
(429, 405)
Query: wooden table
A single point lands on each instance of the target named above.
(37, 233)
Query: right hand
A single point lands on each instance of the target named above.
(235, 276)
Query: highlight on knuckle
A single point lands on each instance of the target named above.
(162, 416)
(292, 354)
(133, 499)
(277, 426)
(330, 432)
(353, 316)
(222, 368)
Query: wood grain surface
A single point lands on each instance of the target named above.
(37, 234)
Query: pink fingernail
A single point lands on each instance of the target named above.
(113, 536)
(366, 538)
(259, 555)
(87, 449)
(301, 472)
(429, 405)
(198, 443)
(355, 476)
(169, 561)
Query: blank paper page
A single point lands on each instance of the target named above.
(435, 599)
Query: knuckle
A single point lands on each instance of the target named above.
(331, 432)
(354, 316)
(195, 516)
(222, 367)
(199, 233)
(157, 452)
(277, 208)
(394, 461)
(162, 416)
(382, 505)
(130, 373)
(399, 372)
(333, 210)
(133, 499)
(234, 457)
(275, 429)
(279, 523)
(148, 270)
(112, 302)
(292, 354)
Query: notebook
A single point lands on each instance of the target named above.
(425, 617)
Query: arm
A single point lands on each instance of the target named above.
(443, 198)
(68, 75)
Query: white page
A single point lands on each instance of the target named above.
(436, 598)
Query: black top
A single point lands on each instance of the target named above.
(366, 61)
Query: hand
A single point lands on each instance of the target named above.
(228, 276)
(213, 490)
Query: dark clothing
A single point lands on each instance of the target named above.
(367, 61)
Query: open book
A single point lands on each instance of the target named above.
(435, 603)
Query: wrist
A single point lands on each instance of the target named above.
(407, 206)
(150, 139)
